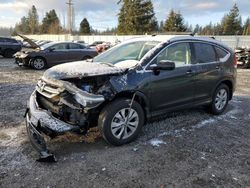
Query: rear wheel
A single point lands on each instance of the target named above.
(9, 53)
(119, 124)
(220, 100)
(38, 63)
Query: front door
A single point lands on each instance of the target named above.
(173, 88)
(58, 53)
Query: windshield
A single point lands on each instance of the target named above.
(45, 46)
(129, 51)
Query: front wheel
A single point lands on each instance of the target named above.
(38, 63)
(119, 124)
(220, 100)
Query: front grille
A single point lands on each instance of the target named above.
(48, 90)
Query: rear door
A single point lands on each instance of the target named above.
(175, 88)
(208, 70)
(76, 52)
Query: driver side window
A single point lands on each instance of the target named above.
(59, 47)
(179, 53)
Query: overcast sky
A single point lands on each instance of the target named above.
(103, 13)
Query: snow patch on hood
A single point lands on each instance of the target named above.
(80, 69)
(127, 64)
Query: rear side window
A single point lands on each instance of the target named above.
(205, 53)
(74, 46)
(11, 40)
(221, 53)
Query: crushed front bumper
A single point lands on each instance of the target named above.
(40, 122)
(21, 61)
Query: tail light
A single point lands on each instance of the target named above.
(235, 61)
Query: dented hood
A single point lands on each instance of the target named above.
(81, 69)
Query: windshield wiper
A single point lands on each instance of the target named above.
(109, 64)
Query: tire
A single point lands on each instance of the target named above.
(38, 63)
(220, 100)
(9, 53)
(112, 122)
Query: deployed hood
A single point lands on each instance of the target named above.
(32, 44)
(81, 69)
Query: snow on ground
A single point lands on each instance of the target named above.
(156, 142)
(228, 116)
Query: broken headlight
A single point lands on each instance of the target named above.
(82, 97)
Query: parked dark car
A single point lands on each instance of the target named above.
(9, 46)
(54, 53)
(128, 85)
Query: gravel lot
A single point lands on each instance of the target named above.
(184, 149)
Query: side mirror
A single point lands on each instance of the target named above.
(163, 65)
(51, 49)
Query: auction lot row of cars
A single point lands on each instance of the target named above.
(121, 89)
(45, 54)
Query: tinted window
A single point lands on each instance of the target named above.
(220, 53)
(205, 53)
(74, 46)
(60, 46)
(10, 40)
(2, 40)
(179, 53)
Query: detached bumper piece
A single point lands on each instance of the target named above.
(38, 142)
(39, 122)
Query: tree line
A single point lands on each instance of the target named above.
(137, 17)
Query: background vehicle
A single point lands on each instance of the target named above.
(94, 44)
(129, 84)
(9, 46)
(54, 53)
(243, 57)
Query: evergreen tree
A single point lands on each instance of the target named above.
(208, 29)
(232, 22)
(246, 27)
(51, 23)
(136, 17)
(197, 29)
(84, 27)
(161, 26)
(175, 22)
(23, 26)
(33, 20)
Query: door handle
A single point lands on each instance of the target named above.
(219, 67)
(189, 72)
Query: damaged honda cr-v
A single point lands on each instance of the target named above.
(130, 83)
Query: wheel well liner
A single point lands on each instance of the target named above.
(139, 97)
(230, 86)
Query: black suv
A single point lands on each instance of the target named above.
(127, 85)
(9, 46)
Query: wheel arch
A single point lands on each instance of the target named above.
(228, 83)
(38, 56)
(139, 97)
